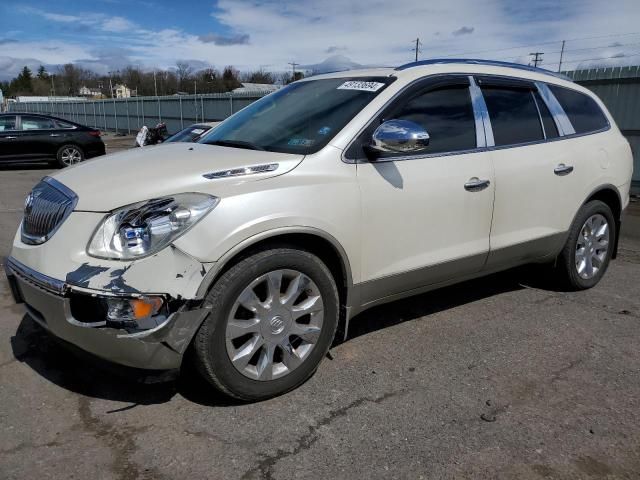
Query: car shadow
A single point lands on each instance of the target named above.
(36, 348)
(32, 165)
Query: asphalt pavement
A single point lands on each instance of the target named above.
(502, 377)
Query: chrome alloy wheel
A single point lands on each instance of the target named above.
(592, 246)
(70, 156)
(274, 324)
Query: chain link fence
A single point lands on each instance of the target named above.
(128, 115)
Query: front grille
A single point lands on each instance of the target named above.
(46, 207)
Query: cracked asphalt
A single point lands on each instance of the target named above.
(502, 377)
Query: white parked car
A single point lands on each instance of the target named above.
(334, 194)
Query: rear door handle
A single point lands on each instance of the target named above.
(10, 138)
(54, 135)
(475, 184)
(563, 169)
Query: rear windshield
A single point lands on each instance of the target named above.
(300, 118)
(189, 134)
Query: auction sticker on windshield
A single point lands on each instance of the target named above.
(363, 86)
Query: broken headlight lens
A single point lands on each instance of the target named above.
(145, 228)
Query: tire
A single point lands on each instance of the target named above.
(582, 248)
(68, 155)
(277, 360)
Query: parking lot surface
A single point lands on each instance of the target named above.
(502, 377)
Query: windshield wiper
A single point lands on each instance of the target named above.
(237, 144)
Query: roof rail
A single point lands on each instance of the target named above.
(475, 61)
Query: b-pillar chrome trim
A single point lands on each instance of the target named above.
(484, 132)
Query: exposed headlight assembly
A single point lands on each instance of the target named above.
(145, 228)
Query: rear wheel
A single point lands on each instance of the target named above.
(69, 155)
(273, 318)
(588, 250)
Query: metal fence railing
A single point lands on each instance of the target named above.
(128, 115)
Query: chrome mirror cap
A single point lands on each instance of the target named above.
(399, 136)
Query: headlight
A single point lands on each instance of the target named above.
(145, 228)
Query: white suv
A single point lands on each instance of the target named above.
(334, 194)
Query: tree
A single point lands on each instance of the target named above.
(183, 70)
(230, 78)
(259, 76)
(22, 84)
(42, 73)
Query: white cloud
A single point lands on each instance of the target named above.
(373, 32)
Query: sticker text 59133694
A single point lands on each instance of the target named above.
(360, 85)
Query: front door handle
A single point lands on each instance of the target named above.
(475, 184)
(54, 135)
(10, 138)
(563, 169)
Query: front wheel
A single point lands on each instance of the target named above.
(69, 155)
(273, 318)
(586, 255)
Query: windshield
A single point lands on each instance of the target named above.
(189, 134)
(300, 118)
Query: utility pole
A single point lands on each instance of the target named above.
(537, 58)
(293, 69)
(53, 87)
(561, 55)
(417, 47)
(155, 83)
(110, 85)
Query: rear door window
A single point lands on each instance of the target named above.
(7, 123)
(514, 115)
(36, 123)
(584, 113)
(550, 128)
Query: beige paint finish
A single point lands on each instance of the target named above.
(416, 213)
(112, 181)
(387, 218)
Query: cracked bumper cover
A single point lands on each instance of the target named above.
(48, 303)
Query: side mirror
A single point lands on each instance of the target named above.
(398, 136)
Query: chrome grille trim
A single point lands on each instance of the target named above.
(46, 208)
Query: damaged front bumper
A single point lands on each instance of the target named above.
(49, 302)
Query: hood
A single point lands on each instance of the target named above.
(112, 181)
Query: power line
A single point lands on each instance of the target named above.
(539, 44)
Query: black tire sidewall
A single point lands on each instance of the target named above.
(61, 164)
(211, 343)
(573, 279)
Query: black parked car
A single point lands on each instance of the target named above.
(35, 137)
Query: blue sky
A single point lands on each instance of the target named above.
(110, 34)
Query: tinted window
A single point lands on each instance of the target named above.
(64, 124)
(583, 112)
(514, 115)
(36, 123)
(189, 134)
(7, 123)
(446, 114)
(550, 128)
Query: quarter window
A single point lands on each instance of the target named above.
(584, 113)
(36, 123)
(514, 115)
(446, 114)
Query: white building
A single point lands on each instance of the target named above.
(122, 91)
(90, 92)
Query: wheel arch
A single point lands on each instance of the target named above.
(610, 195)
(314, 240)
